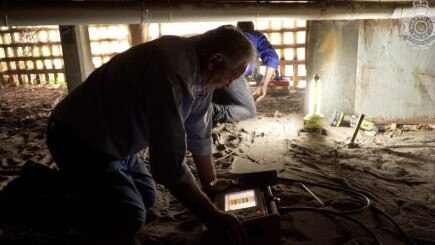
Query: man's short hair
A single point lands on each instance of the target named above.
(246, 25)
(229, 41)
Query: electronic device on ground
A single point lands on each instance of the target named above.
(252, 202)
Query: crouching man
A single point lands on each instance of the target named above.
(155, 95)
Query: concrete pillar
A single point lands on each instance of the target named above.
(76, 54)
(395, 82)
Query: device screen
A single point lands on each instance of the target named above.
(240, 200)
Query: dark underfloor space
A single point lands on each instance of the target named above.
(395, 169)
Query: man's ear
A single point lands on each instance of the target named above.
(215, 61)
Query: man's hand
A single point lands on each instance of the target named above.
(219, 186)
(207, 175)
(260, 92)
(225, 228)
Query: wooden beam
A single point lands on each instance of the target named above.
(137, 33)
(76, 54)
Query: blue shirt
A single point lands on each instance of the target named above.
(265, 51)
(148, 96)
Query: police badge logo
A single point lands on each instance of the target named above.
(418, 31)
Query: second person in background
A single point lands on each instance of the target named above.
(236, 102)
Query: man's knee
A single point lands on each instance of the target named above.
(252, 112)
(135, 224)
(129, 220)
(241, 113)
(150, 198)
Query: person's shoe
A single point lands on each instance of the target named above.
(26, 199)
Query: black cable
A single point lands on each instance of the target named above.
(410, 240)
(326, 211)
(336, 188)
(342, 213)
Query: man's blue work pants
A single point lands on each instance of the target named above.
(234, 103)
(104, 193)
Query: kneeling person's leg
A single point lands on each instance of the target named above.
(142, 179)
(122, 206)
(234, 103)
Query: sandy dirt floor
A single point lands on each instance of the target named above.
(394, 169)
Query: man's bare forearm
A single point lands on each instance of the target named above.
(267, 76)
(225, 225)
(191, 196)
(204, 166)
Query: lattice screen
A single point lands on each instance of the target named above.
(287, 37)
(31, 55)
(107, 41)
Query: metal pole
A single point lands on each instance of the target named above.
(355, 133)
(101, 12)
